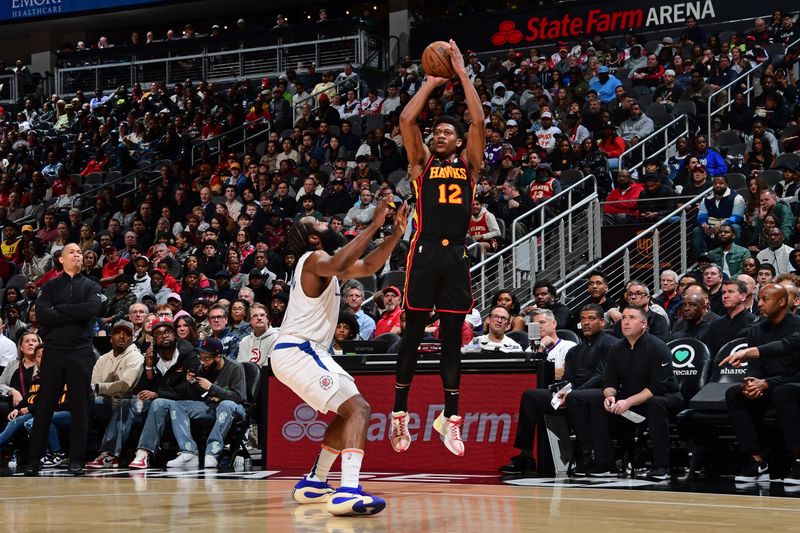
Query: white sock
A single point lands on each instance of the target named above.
(351, 466)
(323, 464)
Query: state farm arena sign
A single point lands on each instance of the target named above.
(567, 21)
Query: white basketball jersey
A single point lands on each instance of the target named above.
(311, 319)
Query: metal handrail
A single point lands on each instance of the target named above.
(579, 278)
(205, 142)
(541, 206)
(727, 88)
(278, 51)
(133, 174)
(665, 149)
(313, 96)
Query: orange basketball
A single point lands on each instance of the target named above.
(436, 60)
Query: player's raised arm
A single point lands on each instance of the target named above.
(325, 265)
(476, 139)
(377, 258)
(416, 150)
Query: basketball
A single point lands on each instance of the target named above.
(436, 60)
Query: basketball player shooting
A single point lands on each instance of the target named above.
(300, 359)
(437, 271)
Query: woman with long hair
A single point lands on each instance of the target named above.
(505, 298)
(16, 379)
(186, 329)
(11, 297)
(759, 157)
(562, 158)
(87, 240)
(90, 268)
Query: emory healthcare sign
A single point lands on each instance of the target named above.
(34, 9)
(485, 31)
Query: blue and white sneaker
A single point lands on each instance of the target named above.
(353, 501)
(308, 491)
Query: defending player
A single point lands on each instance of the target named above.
(437, 266)
(301, 361)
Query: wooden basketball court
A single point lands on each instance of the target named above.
(146, 501)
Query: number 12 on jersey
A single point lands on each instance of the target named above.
(450, 194)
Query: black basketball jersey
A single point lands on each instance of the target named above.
(444, 194)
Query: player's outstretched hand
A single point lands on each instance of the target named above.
(457, 59)
(400, 219)
(380, 213)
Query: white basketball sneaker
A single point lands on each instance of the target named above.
(450, 429)
(401, 438)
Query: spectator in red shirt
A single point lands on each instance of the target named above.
(113, 266)
(611, 144)
(389, 322)
(97, 164)
(622, 203)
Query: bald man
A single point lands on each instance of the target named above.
(750, 283)
(681, 323)
(775, 340)
(694, 311)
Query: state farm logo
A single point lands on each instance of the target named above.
(305, 424)
(478, 427)
(507, 33)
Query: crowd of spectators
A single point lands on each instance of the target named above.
(200, 242)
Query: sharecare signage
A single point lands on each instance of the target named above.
(32, 9)
(489, 405)
(568, 21)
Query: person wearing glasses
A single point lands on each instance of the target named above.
(496, 340)
(218, 320)
(638, 295)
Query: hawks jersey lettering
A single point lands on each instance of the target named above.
(444, 193)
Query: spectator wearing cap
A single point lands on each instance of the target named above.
(605, 84)
(547, 134)
(389, 322)
(216, 392)
(218, 320)
(118, 305)
(513, 134)
(277, 308)
(611, 144)
(622, 204)
(162, 382)
(545, 185)
(116, 372)
(668, 93)
(506, 171)
(113, 265)
(255, 282)
(575, 131)
(656, 200)
(199, 314)
(224, 289)
(788, 189)
(339, 200)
